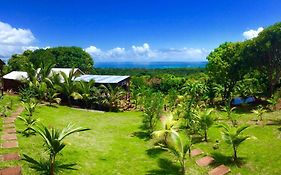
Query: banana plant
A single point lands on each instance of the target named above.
(53, 141)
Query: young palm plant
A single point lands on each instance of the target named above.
(233, 137)
(229, 114)
(179, 145)
(169, 125)
(53, 141)
(30, 123)
(259, 113)
(206, 121)
(30, 106)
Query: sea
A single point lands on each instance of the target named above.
(150, 65)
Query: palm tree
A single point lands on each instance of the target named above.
(229, 111)
(29, 122)
(233, 137)
(30, 106)
(179, 145)
(68, 87)
(168, 127)
(53, 141)
(206, 121)
(85, 92)
(114, 96)
(259, 112)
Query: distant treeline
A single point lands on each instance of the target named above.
(150, 72)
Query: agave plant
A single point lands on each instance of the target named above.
(233, 137)
(53, 141)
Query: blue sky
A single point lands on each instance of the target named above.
(133, 30)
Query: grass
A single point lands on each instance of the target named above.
(116, 145)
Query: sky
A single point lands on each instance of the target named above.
(133, 30)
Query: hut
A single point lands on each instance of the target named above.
(13, 80)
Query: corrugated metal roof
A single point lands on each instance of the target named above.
(103, 79)
(59, 70)
(16, 75)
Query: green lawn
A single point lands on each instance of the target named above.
(116, 145)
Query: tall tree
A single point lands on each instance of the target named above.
(264, 54)
(225, 66)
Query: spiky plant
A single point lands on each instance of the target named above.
(53, 142)
(30, 124)
(206, 121)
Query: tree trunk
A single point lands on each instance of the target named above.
(52, 165)
(183, 167)
(205, 135)
(234, 153)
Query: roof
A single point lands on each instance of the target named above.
(16, 75)
(59, 70)
(102, 79)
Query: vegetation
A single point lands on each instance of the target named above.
(53, 142)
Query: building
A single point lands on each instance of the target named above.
(14, 80)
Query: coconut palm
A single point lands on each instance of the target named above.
(179, 145)
(68, 87)
(169, 125)
(53, 141)
(229, 114)
(85, 92)
(259, 112)
(30, 123)
(233, 137)
(206, 121)
(113, 96)
(30, 106)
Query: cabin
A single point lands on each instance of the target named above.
(1, 78)
(13, 81)
(112, 80)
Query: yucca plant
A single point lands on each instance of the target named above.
(233, 137)
(53, 141)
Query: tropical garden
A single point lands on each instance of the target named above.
(64, 128)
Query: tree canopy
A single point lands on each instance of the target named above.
(64, 57)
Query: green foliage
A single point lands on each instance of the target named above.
(225, 66)
(29, 123)
(153, 108)
(30, 106)
(233, 137)
(53, 142)
(259, 112)
(229, 114)
(206, 120)
(64, 57)
(179, 145)
(4, 111)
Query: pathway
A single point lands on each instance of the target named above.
(206, 161)
(9, 141)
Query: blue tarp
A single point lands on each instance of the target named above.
(240, 100)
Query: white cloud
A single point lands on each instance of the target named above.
(145, 48)
(252, 33)
(146, 53)
(14, 40)
(15, 36)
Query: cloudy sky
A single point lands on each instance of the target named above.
(139, 30)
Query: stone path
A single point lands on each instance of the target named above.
(206, 161)
(9, 140)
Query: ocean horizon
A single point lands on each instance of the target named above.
(151, 65)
